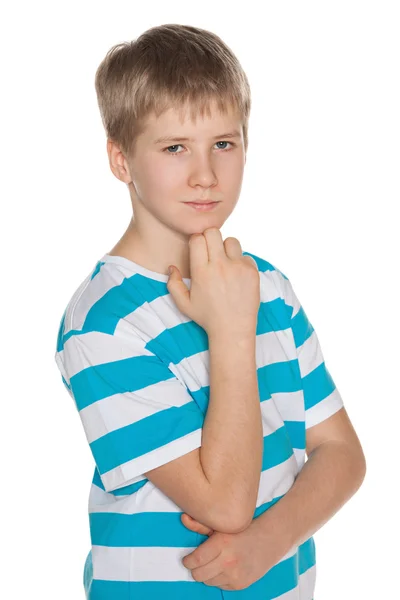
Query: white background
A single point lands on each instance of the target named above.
(319, 200)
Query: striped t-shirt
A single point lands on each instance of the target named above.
(138, 371)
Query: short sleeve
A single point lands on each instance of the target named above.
(137, 415)
(321, 396)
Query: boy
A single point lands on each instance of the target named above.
(203, 402)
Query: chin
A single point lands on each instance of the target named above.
(202, 225)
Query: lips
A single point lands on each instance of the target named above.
(201, 202)
(202, 206)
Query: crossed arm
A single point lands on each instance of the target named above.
(334, 471)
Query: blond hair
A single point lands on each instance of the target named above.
(168, 66)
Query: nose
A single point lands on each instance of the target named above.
(202, 172)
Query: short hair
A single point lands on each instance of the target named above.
(168, 66)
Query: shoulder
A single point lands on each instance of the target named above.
(90, 298)
(103, 303)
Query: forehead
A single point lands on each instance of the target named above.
(182, 123)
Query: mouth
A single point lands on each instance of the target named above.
(202, 206)
(201, 201)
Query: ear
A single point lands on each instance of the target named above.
(118, 163)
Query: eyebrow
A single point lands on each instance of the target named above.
(230, 134)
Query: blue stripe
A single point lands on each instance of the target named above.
(272, 316)
(179, 342)
(97, 269)
(276, 448)
(97, 480)
(148, 529)
(301, 327)
(120, 301)
(88, 573)
(278, 377)
(317, 385)
(127, 443)
(140, 529)
(297, 433)
(152, 590)
(307, 558)
(117, 377)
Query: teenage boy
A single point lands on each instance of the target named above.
(201, 392)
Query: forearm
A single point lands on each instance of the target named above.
(332, 474)
(232, 437)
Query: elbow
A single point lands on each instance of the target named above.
(362, 467)
(233, 522)
(359, 466)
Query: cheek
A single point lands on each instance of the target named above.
(162, 175)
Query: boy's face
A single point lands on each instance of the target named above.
(163, 176)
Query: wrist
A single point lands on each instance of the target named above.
(244, 336)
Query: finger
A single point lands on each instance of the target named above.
(213, 570)
(191, 523)
(198, 253)
(221, 581)
(233, 248)
(205, 554)
(215, 246)
(203, 529)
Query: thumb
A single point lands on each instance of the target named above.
(178, 289)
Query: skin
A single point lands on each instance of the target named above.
(161, 177)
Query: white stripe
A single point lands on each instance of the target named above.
(146, 322)
(287, 293)
(270, 285)
(324, 409)
(168, 314)
(300, 455)
(276, 481)
(305, 588)
(270, 416)
(307, 583)
(130, 268)
(120, 410)
(310, 355)
(290, 405)
(275, 347)
(132, 471)
(144, 563)
(97, 348)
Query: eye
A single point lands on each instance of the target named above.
(177, 146)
